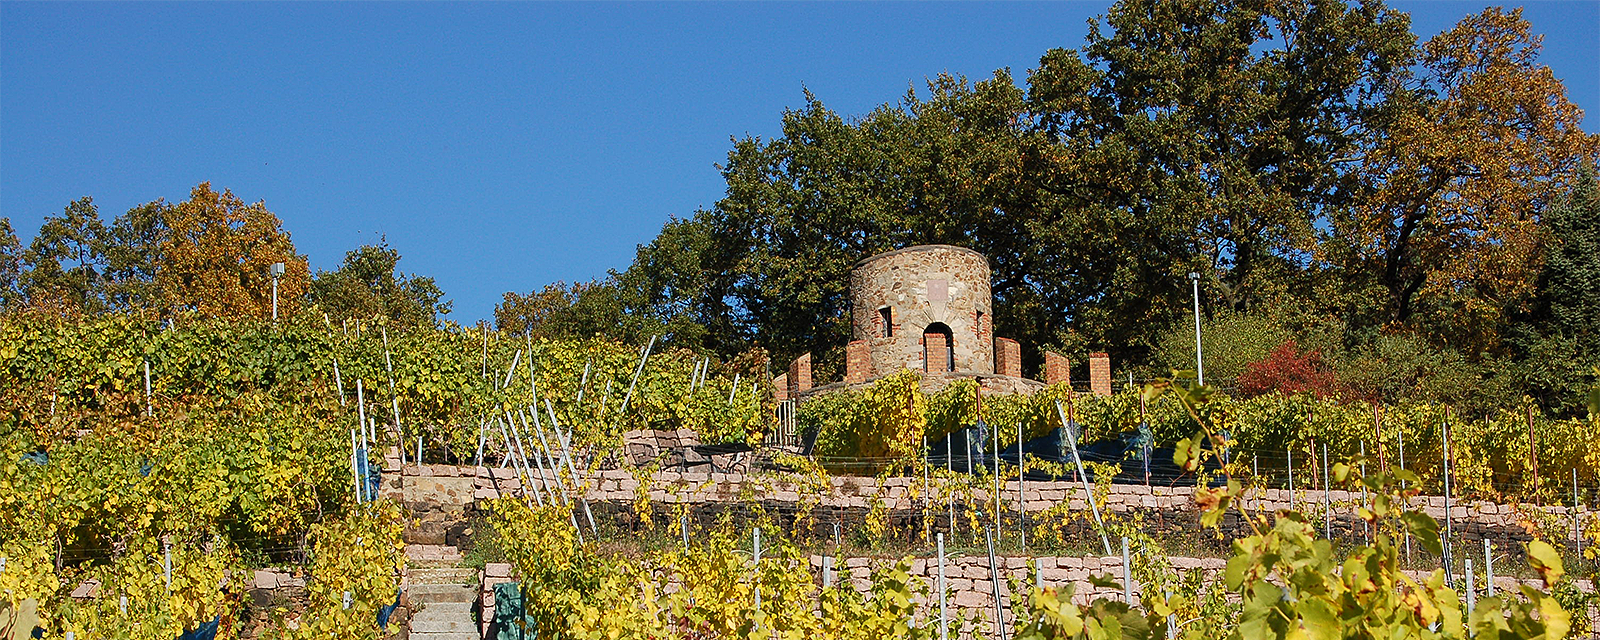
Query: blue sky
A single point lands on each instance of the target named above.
(498, 146)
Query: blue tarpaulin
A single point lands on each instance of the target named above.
(206, 631)
(386, 611)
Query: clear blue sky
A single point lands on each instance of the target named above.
(498, 146)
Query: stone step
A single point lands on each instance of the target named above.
(443, 575)
(443, 610)
(454, 635)
(433, 593)
(453, 625)
(433, 555)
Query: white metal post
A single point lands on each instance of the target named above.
(994, 581)
(1327, 503)
(1022, 498)
(1127, 575)
(1088, 492)
(1488, 568)
(944, 628)
(1199, 357)
(277, 272)
(756, 576)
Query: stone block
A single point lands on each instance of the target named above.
(265, 580)
(432, 490)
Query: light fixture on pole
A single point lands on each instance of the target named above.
(277, 272)
(1199, 359)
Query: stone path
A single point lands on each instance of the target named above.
(442, 599)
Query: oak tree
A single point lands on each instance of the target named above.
(216, 257)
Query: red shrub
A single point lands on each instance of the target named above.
(1289, 371)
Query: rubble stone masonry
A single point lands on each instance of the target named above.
(896, 296)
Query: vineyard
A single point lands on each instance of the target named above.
(149, 467)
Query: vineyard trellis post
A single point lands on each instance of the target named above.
(643, 359)
(994, 582)
(1127, 574)
(950, 463)
(927, 460)
(338, 382)
(1444, 431)
(1327, 503)
(477, 458)
(1022, 498)
(1577, 519)
(1467, 569)
(1488, 568)
(1400, 441)
(394, 397)
(361, 414)
(355, 473)
(1533, 454)
(1288, 453)
(995, 497)
(1377, 430)
(148, 409)
(944, 628)
(755, 577)
(1172, 618)
(566, 456)
(1088, 491)
(1366, 530)
(583, 385)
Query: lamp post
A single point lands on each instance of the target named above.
(277, 272)
(1199, 359)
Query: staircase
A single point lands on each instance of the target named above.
(442, 599)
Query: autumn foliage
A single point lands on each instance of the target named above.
(217, 256)
(1287, 370)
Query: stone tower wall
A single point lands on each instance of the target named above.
(920, 286)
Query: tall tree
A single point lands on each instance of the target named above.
(216, 258)
(66, 263)
(1558, 338)
(10, 265)
(133, 255)
(1444, 222)
(1219, 129)
(1569, 289)
(370, 285)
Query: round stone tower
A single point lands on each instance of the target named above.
(925, 307)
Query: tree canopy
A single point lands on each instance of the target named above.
(1312, 161)
(370, 285)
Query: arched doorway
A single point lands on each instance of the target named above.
(938, 349)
